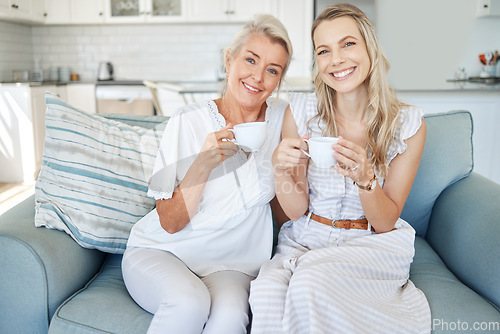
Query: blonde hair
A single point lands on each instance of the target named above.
(265, 25)
(383, 104)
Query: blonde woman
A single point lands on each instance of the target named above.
(342, 261)
(190, 260)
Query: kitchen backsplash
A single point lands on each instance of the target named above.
(156, 52)
(16, 49)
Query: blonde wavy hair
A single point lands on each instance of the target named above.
(383, 104)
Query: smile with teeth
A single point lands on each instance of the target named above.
(251, 88)
(343, 73)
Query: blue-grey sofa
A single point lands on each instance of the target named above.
(48, 283)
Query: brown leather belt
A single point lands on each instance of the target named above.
(360, 224)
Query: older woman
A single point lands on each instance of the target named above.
(190, 261)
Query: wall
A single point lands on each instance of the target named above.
(154, 52)
(16, 50)
(427, 40)
(367, 6)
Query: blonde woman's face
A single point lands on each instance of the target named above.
(255, 71)
(342, 57)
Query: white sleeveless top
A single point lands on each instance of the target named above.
(332, 195)
(232, 228)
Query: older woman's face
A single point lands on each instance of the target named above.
(255, 71)
(341, 54)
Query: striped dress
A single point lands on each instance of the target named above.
(330, 280)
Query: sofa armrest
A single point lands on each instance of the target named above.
(464, 230)
(40, 268)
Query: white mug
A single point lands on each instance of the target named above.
(250, 136)
(321, 151)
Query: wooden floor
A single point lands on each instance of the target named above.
(14, 193)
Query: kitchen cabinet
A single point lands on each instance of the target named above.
(74, 11)
(124, 99)
(82, 96)
(228, 10)
(22, 130)
(38, 12)
(487, 8)
(22, 125)
(4, 9)
(57, 12)
(88, 11)
(16, 135)
(4, 6)
(21, 11)
(140, 11)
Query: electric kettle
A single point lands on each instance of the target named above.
(105, 71)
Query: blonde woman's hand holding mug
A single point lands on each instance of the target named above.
(290, 153)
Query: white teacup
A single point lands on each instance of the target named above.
(250, 136)
(321, 151)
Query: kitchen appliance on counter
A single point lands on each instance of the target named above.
(105, 71)
(36, 75)
(20, 76)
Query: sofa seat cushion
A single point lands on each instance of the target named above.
(93, 309)
(453, 305)
(103, 305)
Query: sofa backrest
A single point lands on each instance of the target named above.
(447, 158)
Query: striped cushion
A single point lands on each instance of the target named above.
(94, 176)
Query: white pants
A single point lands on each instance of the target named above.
(181, 301)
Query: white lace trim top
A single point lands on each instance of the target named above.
(232, 228)
(332, 195)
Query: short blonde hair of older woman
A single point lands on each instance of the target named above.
(265, 25)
